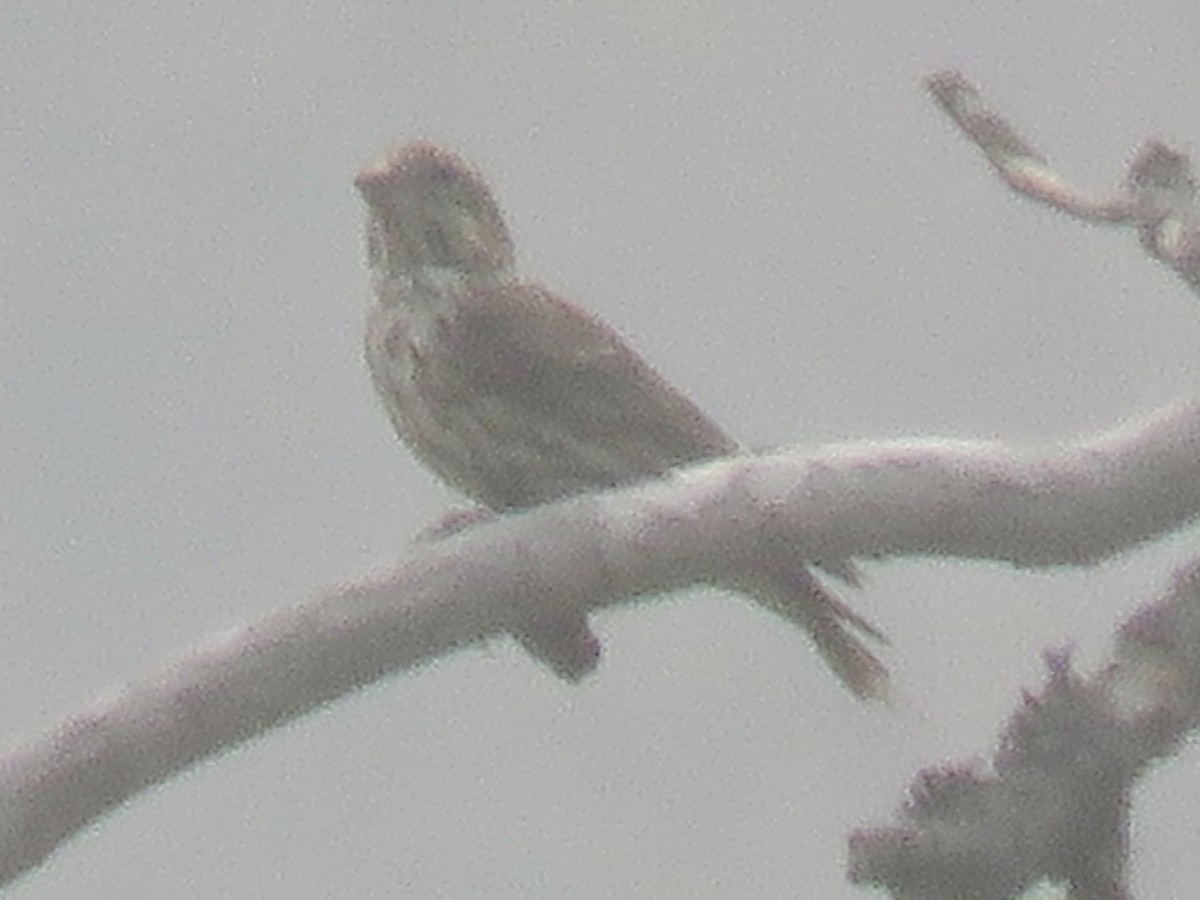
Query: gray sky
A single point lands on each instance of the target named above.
(761, 197)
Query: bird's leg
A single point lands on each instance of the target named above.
(455, 521)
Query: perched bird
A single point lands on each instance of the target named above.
(517, 397)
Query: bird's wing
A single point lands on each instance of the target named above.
(591, 410)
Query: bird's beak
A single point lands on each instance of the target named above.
(371, 183)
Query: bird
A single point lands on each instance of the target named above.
(516, 397)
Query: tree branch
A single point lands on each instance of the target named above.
(1066, 504)
(1158, 196)
(1056, 804)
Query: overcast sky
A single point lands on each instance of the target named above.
(762, 198)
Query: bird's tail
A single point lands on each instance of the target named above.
(564, 642)
(800, 598)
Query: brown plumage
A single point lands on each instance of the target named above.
(517, 397)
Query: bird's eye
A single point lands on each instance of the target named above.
(439, 244)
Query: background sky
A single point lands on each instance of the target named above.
(762, 198)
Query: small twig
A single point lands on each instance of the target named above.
(1056, 804)
(1157, 196)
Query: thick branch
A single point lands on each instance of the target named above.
(1068, 504)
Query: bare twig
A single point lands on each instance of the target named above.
(1056, 804)
(1157, 197)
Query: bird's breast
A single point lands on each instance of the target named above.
(414, 367)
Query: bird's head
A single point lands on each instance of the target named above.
(428, 210)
